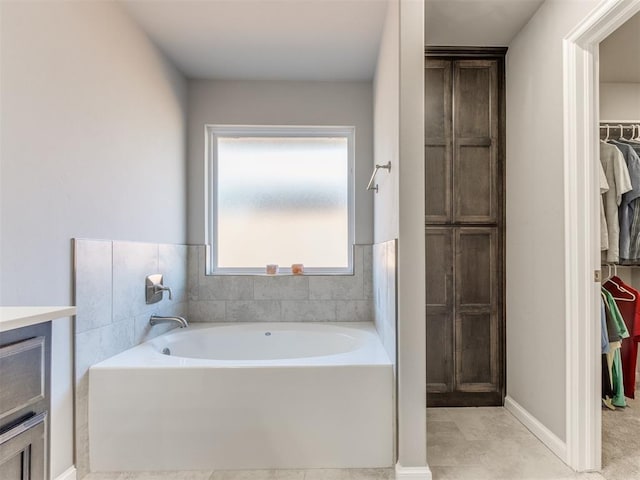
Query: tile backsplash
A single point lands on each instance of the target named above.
(281, 298)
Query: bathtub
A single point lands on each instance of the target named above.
(245, 396)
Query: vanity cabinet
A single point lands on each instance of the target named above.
(24, 402)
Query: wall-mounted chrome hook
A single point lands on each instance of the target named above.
(373, 176)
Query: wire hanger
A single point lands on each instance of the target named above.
(621, 132)
(608, 265)
(608, 130)
(620, 287)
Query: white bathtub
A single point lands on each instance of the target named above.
(245, 396)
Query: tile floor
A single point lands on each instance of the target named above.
(490, 444)
(621, 442)
(469, 444)
(321, 474)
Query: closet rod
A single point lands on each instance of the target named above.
(618, 122)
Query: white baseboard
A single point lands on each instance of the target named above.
(412, 473)
(68, 474)
(546, 436)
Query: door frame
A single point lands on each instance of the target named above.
(582, 230)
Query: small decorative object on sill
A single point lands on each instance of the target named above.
(297, 268)
(272, 269)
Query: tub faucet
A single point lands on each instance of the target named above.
(155, 319)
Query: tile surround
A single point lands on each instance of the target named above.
(132, 262)
(309, 311)
(284, 298)
(384, 294)
(173, 264)
(113, 316)
(93, 284)
(112, 313)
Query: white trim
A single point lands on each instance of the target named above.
(546, 436)
(212, 132)
(412, 473)
(68, 474)
(582, 230)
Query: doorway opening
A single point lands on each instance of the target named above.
(582, 230)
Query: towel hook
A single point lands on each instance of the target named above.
(373, 176)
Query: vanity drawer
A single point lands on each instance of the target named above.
(23, 450)
(22, 374)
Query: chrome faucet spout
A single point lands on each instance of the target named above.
(155, 319)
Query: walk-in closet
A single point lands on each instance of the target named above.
(620, 245)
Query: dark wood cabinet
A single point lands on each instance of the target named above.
(25, 379)
(464, 184)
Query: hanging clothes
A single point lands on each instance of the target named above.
(604, 334)
(634, 236)
(625, 211)
(635, 144)
(614, 362)
(617, 175)
(604, 231)
(617, 331)
(628, 302)
(607, 386)
(634, 207)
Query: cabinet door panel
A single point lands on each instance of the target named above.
(438, 141)
(473, 88)
(439, 351)
(476, 135)
(437, 98)
(475, 347)
(439, 281)
(437, 181)
(475, 266)
(439, 258)
(475, 184)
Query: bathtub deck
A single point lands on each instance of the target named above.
(149, 411)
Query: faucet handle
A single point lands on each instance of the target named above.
(162, 288)
(154, 289)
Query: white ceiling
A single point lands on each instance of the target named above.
(265, 39)
(476, 22)
(620, 54)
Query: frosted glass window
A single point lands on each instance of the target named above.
(282, 199)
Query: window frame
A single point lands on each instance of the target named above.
(212, 132)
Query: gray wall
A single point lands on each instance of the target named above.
(280, 103)
(535, 257)
(386, 128)
(411, 249)
(620, 101)
(399, 214)
(92, 145)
